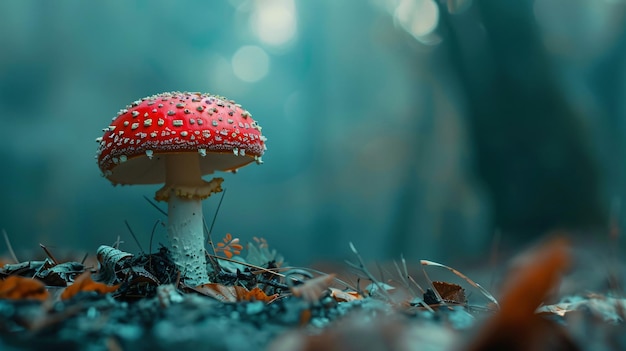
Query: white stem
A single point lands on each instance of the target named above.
(185, 227)
(185, 231)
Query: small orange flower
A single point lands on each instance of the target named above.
(229, 246)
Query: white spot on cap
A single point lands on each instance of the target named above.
(177, 122)
(147, 122)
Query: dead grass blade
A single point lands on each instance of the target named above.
(484, 291)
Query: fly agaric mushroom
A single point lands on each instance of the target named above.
(176, 138)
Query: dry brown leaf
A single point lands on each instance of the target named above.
(344, 296)
(313, 289)
(234, 293)
(84, 283)
(20, 288)
(450, 292)
(217, 291)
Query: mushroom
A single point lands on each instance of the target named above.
(175, 138)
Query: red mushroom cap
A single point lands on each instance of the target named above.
(217, 128)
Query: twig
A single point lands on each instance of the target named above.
(9, 246)
(462, 276)
(84, 258)
(361, 267)
(155, 206)
(434, 290)
(134, 236)
(117, 242)
(209, 231)
(152, 236)
(407, 279)
(45, 249)
(217, 210)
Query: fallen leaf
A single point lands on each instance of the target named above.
(20, 288)
(313, 289)
(256, 294)
(84, 283)
(234, 293)
(516, 326)
(450, 292)
(344, 296)
(217, 291)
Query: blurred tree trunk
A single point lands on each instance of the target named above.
(532, 149)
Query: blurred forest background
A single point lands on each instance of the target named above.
(425, 128)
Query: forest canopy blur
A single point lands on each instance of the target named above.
(419, 127)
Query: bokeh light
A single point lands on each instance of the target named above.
(274, 22)
(250, 63)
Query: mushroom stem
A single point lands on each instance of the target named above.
(185, 232)
(185, 228)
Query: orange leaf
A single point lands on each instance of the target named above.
(20, 288)
(257, 294)
(237, 247)
(344, 296)
(228, 254)
(84, 283)
(218, 291)
(220, 244)
(516, 326)
(228, 237)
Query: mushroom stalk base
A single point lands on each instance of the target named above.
(184, 190)
(185, 231)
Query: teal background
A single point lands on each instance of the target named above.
(425, 128)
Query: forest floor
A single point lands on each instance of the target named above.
(554, 296)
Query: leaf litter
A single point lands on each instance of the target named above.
(138, 302)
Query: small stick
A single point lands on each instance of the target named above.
(217, 210)
(362, 268)
(117, 243)
(8, 243)
(462, 276)
(150, 248)
(133, 235)
(209, 231)
(155, 206)
(84, 258)
(49, 254)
